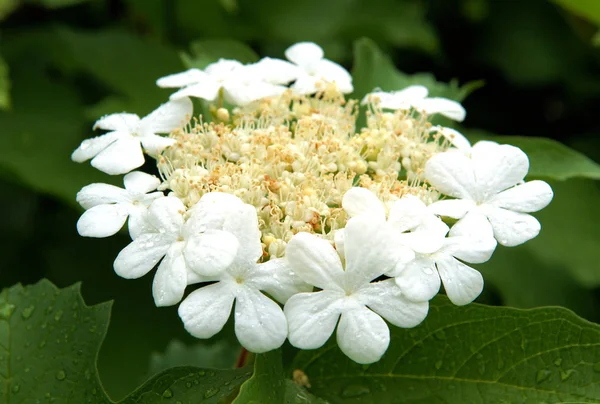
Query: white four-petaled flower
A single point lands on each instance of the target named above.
(488, 182)
(120, 150)
(241, 84)
(420, 278)
(347, 293)
(416, 97)
(260, 324)
(108, 207)
(315, 69)
(194, 249)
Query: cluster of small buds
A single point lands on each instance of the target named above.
(281, 195)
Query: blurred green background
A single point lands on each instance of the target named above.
(64, 63)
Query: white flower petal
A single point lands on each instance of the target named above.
(155, 144)
(315, 261)
(206, 310)
(359, 200)
(386, 299)
(274, 71)
(91, 147)
(166, 214)
(471, 239)
(448, 108)
(168, 117)
(120, 157)
(208, 90)
(455, 208)
(277, 278)
(182, 79)
(419, 281)
(455, 138)
(512, 228)
(332, 72)
(422, 242)
(243, 93)
(242, 222)
(139, 223)
(306, 84)
(260, 324)
(210, 253)
(102, 220)
(170, 279)
(369, 249)
(497, 167)
(452, 174)
(138, 181)
(312, 317)
(362, 335)
(122, 122)
(304, 53)
(407, 213)
(141, 255)
(224, 69)
(462, 283)
(100, 194)
(529, 197)
(411, 93)
(339, 237)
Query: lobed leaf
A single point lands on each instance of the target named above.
(471, 354)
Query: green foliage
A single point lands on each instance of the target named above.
(588, 9)
(4, 85)
(266, 384)
(50, 341)
(473, 354)
(373, 69)
(205, 52)
(548, 158)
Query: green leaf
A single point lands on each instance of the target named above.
(39, 133)
(208, 51)
(373, 69)
(587, 9)
(471, 354)
(59, 3)
(7, 7)
(295, 394)
(49, 342)
(125, 63)
(267, 384)
(570, 231)
(548, 158)
(220, 355)
(523, 280)
(4, 85)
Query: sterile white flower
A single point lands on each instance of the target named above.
(241, 84)
(414, 228)
(260, 324)
(489, 182)
(416, 97)
(419, 279)
(309, 57)
(347, 292)
(196, 248)
(120, 150)
(108, 207)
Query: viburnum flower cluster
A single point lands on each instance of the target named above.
(282, 209)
